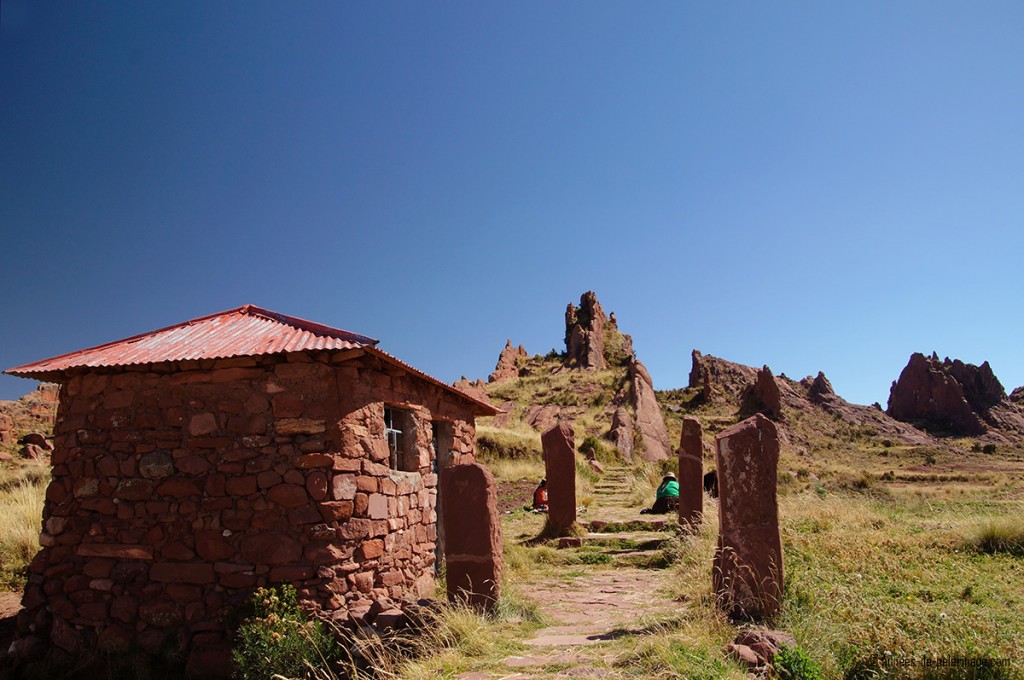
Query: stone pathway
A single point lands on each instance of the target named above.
(589, 611)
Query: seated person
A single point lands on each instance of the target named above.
(540, 497)
(667, 497)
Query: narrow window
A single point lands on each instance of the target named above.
(400, 430)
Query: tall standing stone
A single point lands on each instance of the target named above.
(560, 466)
(748, 570)
(691, 473)
(472, 528)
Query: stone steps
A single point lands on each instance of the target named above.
(605, 527)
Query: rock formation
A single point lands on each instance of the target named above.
(748, 567)
(507, 366)
(621, 432)
(474, 558)
(34, 412)
(819, 389)
(649, 422)
(1017, 396)
(766, 395)
(691, 473)
(947, 396)
(474, 389)
(560, 468)
(584, 333)
(719, 379)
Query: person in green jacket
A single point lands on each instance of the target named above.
(666, 498)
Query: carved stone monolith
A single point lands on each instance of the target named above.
(472, 527)
(748, 570)
(691, 474)
(560, 467)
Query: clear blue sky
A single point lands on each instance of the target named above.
(815, 186)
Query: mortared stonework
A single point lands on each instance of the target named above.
(560, 466)
(691, 473)
(748, 569)
(472, 528)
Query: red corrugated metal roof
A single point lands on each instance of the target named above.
(245, 331)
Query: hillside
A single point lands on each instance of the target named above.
(598, 385)
(33, 413)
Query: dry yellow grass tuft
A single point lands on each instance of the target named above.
(22, 492)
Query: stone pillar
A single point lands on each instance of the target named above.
(560, 467)
(473, 549)
(691, 474)
(748, 568)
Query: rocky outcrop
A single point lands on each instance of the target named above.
(474, 389)
(766, 395)
(621, 433)
(6, 430)
(819, 389)
(34, 412)
(650, 424)
(1017, 396)
(726, 382)
(584, 333)
(508, 363)
(930, 392)
(718, 379)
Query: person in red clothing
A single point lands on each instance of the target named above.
(540, 497)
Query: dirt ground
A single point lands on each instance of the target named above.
(10, 605)
(514, 495)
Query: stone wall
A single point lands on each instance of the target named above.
(179, 488)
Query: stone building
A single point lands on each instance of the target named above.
(195, 463)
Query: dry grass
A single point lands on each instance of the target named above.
(22, 492)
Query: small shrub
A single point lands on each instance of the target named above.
(793, 663)
(1000, 537)
(278, 638)
(988, 448)
(929, 459)
(590, 443)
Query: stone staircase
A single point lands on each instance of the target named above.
(617, 529)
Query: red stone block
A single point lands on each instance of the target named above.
(118, 551)
(560, 467)
(472, 526)
(287, 406)
(748, 566)
(178, 487)
(691, 473)
(271, 548)
(268, 478)
(181, 572)
(134, 489)
(316, 485)
(241, 486)
(291, 574)
(193, 465)
(370, 550)
(211, 545)
(288, 495)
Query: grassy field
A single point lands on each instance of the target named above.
(895, 558)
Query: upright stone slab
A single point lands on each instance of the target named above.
(691, 474)
(560, 466)
(472, 528)
(748, 570)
